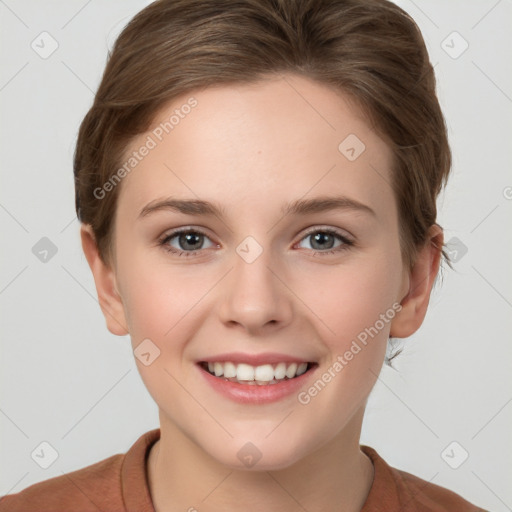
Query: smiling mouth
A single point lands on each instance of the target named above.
(262, 375)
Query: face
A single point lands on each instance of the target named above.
(260, 231)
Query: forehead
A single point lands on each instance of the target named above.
(260, 143)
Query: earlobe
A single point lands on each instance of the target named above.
(106, 287)
(421, 280)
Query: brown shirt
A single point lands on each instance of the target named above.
(119, 484)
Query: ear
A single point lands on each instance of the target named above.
(418, 283)
(105, 280)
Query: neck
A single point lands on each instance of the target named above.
(337, 476)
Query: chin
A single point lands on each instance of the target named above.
(264, 455)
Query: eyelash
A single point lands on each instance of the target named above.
(164, 242)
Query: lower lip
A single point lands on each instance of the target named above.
(256, 394)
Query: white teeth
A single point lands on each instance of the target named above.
(280, 371)
(302, 368)
(265, 372)
(218, 369)
(259, 375)
(244, 372)
(291, 370)
(229, 370)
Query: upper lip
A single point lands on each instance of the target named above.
(254, 359)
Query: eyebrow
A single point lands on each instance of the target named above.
(298, 207)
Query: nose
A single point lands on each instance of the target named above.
(255, 297)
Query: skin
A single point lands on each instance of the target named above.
(252, 149)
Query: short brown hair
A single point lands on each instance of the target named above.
(370, 50)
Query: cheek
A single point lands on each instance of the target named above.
(161, 305)
(157, 297)
(354, 307)
(357, 308)
(347, 299)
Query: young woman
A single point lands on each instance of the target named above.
(257, 184)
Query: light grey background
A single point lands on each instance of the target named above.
(67, 381)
